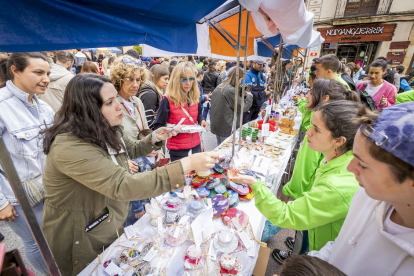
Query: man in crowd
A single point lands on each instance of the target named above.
(327, 68)
(257, 79)
(80, 59)
(60, 75)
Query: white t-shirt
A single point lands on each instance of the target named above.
(130, 106)
(393, 228)
(151, 159)
(372, 90)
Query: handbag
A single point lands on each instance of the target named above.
(202, 149)
(367, 99)
(33, 189)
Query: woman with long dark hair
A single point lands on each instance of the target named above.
(222, 106)
(86, 176)
(210, 81)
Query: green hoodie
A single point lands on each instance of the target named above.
(307, 161)
(405, 97)
(321, 211)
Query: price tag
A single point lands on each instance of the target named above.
(128, 244)
(112, 269)
(160, 226)
(184, 220)
(265, 130)
(177, 231)
(151, 254)
(212, 253)
(251, 251)
(245, 239)
(129, 232)
(209, 203)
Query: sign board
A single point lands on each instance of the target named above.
(313, 54)
(358, 33)
(396, 57)
(399, 45)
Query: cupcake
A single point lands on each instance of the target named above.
(193, 258)
(229, 265)
(225, 242)
(195, 208)
(172, 204)
(182, 236)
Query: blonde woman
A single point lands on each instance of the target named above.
(221, 69)
(182, 100)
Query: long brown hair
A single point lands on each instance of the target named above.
(89, 67)
(81, 116)
(231, 78)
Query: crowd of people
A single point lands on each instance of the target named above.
(90, 132)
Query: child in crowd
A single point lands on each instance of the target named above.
(144, 163)
(302, 265)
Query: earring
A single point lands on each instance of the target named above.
(336, 152)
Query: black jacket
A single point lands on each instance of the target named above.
(347, 78)
(210, 81)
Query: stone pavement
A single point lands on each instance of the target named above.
(13, 241)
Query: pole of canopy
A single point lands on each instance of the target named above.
(236, 94)
(278, 80)
(244, 77)
(14, 180)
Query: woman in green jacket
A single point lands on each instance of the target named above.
(86, 179)
(323, 209)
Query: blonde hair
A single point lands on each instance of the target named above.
(120, 71)
(222, 65)
(174, 91)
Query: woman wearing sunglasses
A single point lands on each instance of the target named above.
(182, 101)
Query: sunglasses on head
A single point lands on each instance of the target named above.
(185, 79)
(128, 60)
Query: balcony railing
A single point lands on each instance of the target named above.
(359, 8)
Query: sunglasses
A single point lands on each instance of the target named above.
(185, 79)
(129, 60)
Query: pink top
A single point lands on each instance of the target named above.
(387, 90)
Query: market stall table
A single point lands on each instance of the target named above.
(173, 264)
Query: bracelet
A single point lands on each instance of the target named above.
(154, 137)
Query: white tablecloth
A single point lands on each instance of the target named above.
(174, 264)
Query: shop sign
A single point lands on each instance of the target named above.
(358, 33)
(313, 54)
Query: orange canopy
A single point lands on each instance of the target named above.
(220, 46)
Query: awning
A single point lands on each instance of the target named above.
(42, 25)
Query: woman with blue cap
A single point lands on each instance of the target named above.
(377, 237)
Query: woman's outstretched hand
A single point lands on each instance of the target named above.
(200, 161)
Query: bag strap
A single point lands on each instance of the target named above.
(187, 114)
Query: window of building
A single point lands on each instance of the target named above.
(361, 7)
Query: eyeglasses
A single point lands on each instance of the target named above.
(128, 60)
(185, 79)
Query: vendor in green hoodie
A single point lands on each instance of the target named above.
(323, 209)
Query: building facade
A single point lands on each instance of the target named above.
(362, 30)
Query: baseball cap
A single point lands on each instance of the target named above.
(394, 131)
(258, 61)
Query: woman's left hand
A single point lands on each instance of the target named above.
(204, 124)
(384, 101)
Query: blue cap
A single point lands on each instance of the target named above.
(394, 131)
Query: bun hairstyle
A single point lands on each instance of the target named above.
(333, 89)
(340, 119)
(400, 169)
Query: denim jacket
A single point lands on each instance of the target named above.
(20, 123)
(144, 165)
